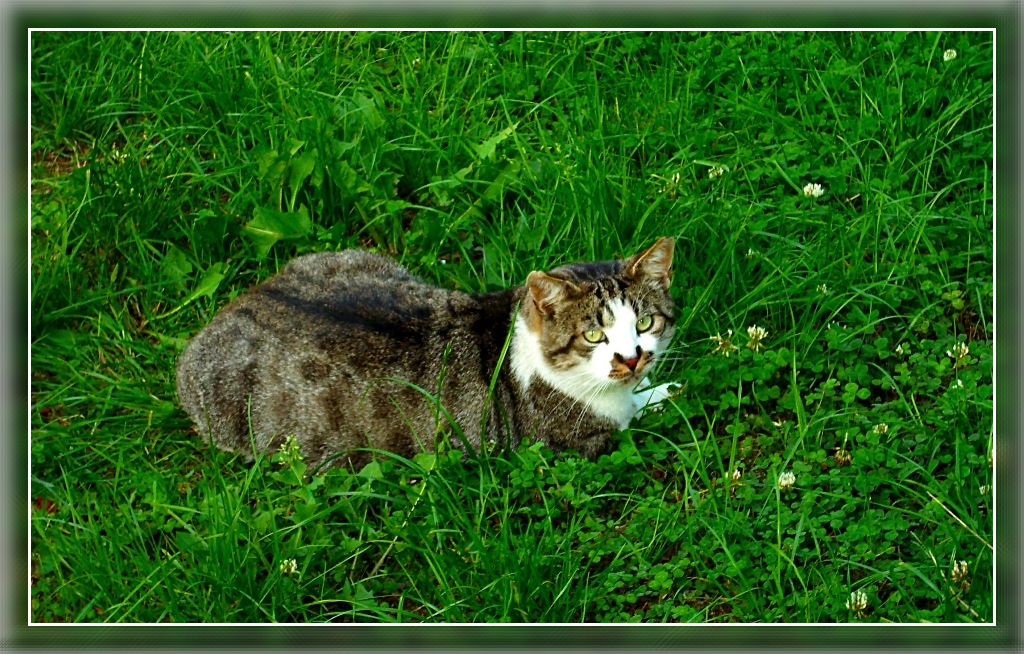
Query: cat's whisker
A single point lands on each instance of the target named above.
(587, 403)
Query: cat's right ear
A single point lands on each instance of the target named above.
(654, 263)
(545, 292)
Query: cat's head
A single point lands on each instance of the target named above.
(603, 324)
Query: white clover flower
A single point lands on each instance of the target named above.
(958, 353)
(288, 567)
(723, 345)
(736, 474)
(416, 62)
(813, 191)
(786, 480)
(751, 253)
(823, 289)
(756, 334)
(899, 349)
(843, 457)
(858, 601)
(949, 55)
(715, 172)
(959, 572)
(881, 428)
(984, 489)
(675, 178)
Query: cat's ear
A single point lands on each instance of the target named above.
(545, 291)
(655, 262)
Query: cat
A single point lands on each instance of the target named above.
(341, 349)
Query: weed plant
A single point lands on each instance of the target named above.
(829, 458)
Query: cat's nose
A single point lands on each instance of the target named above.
(631, 363)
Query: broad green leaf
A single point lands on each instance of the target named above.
(368, 108)
(265, 157)
(396, 206)
(371, 470)
(301, 167)
(268, 226)
(460, 176)
(363, 595)
(208, 284)
(275, 172)
(341, 147)
(318, 175)
(347, 180)
(508, 175)
(426, 460)
(291, 146)
(176, 266)
(51, 215)
(486, 149)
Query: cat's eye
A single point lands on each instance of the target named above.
(593, 335)
(644, 324)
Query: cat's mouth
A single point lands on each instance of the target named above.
(630, 369)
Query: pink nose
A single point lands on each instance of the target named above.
(631, 363)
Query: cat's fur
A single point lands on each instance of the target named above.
(318, 350)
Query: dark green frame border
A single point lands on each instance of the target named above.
(1003, 17)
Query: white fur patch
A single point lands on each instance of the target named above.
(589, 383)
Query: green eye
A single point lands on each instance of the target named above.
(644, 324)
(593, 335)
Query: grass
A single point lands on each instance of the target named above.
(171, 171)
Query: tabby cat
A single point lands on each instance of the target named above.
(340, 350)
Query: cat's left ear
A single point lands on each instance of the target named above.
(655, 262)
(547, 291)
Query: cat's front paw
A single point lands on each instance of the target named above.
(652, 399)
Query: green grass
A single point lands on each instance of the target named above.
(172, 171)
